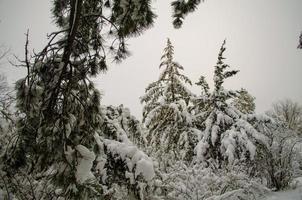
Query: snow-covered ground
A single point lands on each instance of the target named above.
(286, 195)
(295, 194)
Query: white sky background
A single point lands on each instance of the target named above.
(262, 36)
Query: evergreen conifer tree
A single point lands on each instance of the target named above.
(166, 114)
(227, 136)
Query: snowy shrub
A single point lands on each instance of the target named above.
(198, 183)
(280, 161)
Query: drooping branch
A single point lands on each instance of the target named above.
(300, 42)
(182, 8)
(76, 6)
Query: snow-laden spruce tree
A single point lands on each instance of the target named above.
(59, 105)
(166, 114)
(227, 137)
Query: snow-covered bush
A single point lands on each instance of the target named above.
(198, 183)
(280, 161)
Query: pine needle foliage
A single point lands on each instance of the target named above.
(181, 8)
(300, 42)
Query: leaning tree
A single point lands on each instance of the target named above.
(58, 103)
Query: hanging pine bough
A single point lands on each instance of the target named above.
(59, 105)
(181, 8)
(300, 42)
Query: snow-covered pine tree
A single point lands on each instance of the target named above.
(166, 114)
(59, 105)
(226, 135)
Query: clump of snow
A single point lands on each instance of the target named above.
(145, 168)
(201, 149)
(69, 154)
(83, 169)
(1, 194)
(134, 158)
(297, 182)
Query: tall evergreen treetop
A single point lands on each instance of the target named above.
(170, 85)
(220, 74)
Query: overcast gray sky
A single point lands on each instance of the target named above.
(262, 36)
